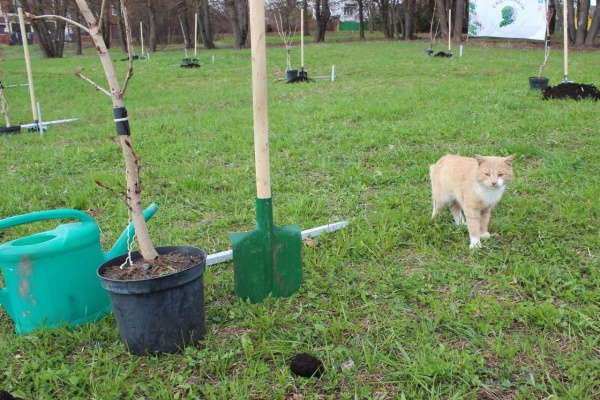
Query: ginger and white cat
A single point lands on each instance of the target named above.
(471, 187)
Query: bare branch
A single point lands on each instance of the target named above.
(115, 192)
(100, 22)
(94, 84)
(129, 47)
(67, 20)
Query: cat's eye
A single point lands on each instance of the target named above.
(487, 174)
(500, 174)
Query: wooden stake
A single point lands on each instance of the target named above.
(302, 38)
(28, 65)
(195, 34)
(142, 36)
(449, 29)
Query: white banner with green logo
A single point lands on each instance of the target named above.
(523, 19)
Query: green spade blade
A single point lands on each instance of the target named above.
(267, 260)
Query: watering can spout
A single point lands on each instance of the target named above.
(120, 246)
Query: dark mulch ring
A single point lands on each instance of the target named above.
(300, 79)
(165, 264)
(190, 65)
(575, 91)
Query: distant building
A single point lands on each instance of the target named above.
(10, 29)
(347, 12)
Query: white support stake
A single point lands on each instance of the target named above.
(223, 256)
(35, 125)
(332, 73)
(40, 124)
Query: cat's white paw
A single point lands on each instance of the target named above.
(475, 243)
(485, 235)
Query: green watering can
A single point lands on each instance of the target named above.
(50, 277)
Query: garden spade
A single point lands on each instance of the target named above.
(266, 260)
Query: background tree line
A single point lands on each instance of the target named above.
(173, 21)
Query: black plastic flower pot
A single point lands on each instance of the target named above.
(291, 74)
(162, 314)
(536, 83)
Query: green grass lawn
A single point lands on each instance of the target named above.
(400, 296)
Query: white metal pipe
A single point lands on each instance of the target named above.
(40, 125)
(49, 123)
(223, 256)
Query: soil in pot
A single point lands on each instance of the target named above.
(575, 91)
(165, 264)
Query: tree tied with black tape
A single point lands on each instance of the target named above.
(116, 93)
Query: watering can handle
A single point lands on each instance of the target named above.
(45, 216)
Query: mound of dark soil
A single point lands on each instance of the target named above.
(575, 91)
(300, 79)
(307, 366)
(190, 65)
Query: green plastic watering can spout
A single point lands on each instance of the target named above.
(120, 246)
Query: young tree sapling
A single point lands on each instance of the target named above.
(132, 162)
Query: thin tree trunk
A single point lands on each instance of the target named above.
(571, 20)
(134, 198)
(409, 15)
(185, 25)
(583, 11)
(305, 8)
(235, 24)
(121, 27)
(443, 17)
(205, 25)
(105, 28)
(152, 39)
(384, 11)
(79, 50)
(594, 28)
(322, 13)
(361, 19)
(50, 37)
(459, 15)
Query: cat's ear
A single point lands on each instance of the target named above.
(480, 159)
(509, 160)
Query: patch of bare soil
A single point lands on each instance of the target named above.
(575, 91)
(164, 264)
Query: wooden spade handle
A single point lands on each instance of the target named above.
(259, 98)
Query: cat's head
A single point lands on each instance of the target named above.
(494, 172)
